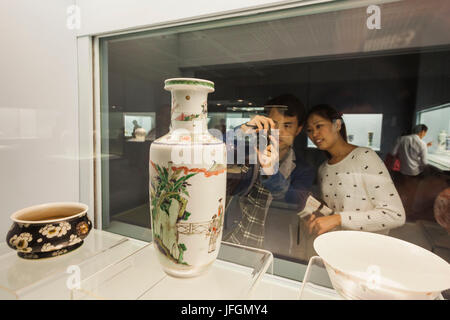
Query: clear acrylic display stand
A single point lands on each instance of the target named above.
(28, 279)
(140, 276)
(316, 284)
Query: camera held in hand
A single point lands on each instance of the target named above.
(263, 139)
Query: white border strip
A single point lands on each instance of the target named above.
(85, 127)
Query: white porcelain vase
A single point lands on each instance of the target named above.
(187, 183)
(140, 134)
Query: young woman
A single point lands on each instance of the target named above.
(354, 181)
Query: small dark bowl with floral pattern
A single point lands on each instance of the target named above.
(49, 230)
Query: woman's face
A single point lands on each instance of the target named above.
(322, 132)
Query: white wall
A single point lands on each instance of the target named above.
(39, 94)
(101, 16)
(38, 106)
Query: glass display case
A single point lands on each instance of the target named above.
(235, 120)
(437, 119)
(363, 130)
(89, 139)
(234, 117)
(135, 120)
(378, 80)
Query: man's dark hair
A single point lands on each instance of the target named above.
(294, 107)
(419, 128)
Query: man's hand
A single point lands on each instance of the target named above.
(320, 225)
(429, 144)
(261, 123)
(269, 158)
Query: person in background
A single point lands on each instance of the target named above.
(354, 181)
(135, 127)
(261, 183)
(412, 151)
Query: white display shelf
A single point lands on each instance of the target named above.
(440, 160)
(140, 276)
(115, 267)
(30, 279)
(279, 288)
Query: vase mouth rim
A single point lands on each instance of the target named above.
(191, 82)
(30, 215)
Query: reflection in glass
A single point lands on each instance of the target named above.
(437, 120)
(378, 84)
(133, 121)
(363, 130)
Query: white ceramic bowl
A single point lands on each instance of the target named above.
(364, 265)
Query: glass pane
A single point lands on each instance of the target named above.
(439, 120)
(383, 81)
(362, 130)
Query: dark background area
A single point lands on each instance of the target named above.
(396, 85)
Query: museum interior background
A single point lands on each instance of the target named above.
(385, 80)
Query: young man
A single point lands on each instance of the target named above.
(412, 151)
(279, 175)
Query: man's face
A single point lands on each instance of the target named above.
(288, 128)
(422, 134)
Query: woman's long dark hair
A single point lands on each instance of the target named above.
(328, 112)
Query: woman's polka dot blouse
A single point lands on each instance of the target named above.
(361, 183)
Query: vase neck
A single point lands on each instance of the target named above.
(189, 110)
